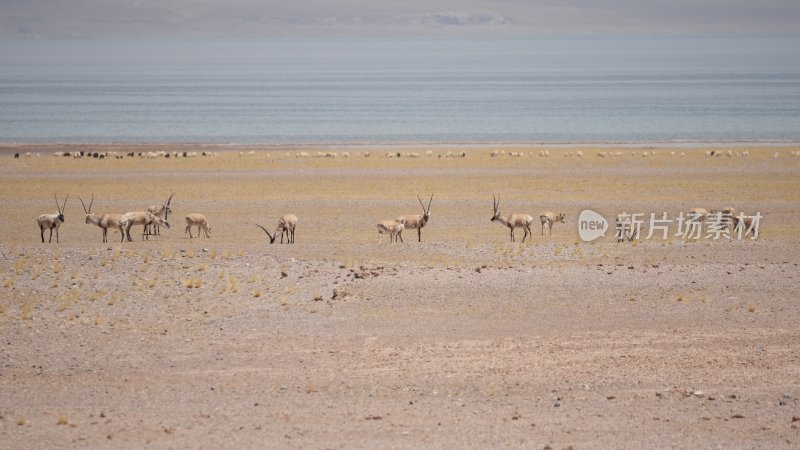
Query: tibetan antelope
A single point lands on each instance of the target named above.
(161, 211)
(105, 221)
(731, 219)
(724, 215)
(197, 220)
(50, 221)
(698, 214)
(286, 225)
(142, 218)
(417, 221)
(627, 228)
(392, 228)
(271, 236)
(523, 221)
(548, 219)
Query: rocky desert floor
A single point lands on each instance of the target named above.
(343, 340)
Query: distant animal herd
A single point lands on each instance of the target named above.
(389, 154)
(156, 216)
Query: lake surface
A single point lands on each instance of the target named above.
(388, 90)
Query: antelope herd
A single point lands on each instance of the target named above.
(157, 216)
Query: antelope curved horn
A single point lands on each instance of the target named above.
(58, 207)
(429, 204)
(265, 230)
(170, 199)
(65, 204)
(91, 202)
(420, 202)
(83, 204)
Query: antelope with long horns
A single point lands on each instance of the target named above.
(523, 221)
(286, 225)
(105, 221)
(51, 221)
(142, 218)
(417, 221)
(161, 211)
(200, 221)
(271, 236)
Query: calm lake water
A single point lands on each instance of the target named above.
(400, 90)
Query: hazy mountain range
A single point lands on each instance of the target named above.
(98, 18)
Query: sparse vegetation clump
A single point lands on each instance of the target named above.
(193, 283)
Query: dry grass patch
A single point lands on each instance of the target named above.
(193, 283)
(26, 310)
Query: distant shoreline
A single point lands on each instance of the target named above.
(6, 147)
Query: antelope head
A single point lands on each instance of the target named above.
(561, 218)
(167, 209)
(271, 236)
(426, 212)
(496, 206)
(88, 211)
(152, 218)
(61, 208)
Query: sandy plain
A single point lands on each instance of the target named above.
(343, 340)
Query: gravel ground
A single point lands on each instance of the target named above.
(344, 341)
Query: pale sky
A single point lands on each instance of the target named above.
(100, 18)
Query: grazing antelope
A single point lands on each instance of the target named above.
(271, 236)
(391, 227)
(417, 221)
(142, 218)
(626, 229)
(161, 211)
(548, 218)
(105, 221)
(197, 220)
(50, 221)
(286, 225)
(523, 221)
